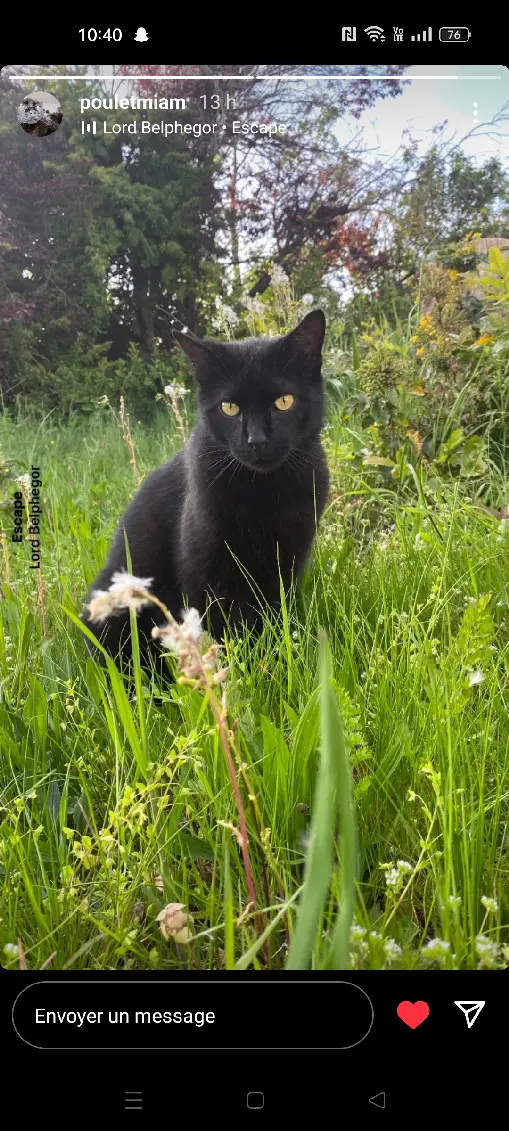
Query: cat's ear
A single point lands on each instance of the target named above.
(197, 351)
(307, 338)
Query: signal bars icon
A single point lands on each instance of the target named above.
(424, 36)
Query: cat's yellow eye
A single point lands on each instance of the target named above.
(285, 402)
(230, 408)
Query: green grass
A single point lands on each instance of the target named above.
(374, 771)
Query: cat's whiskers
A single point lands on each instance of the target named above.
(218, 463)
(222, 471)
(235, 469)
(298, 460)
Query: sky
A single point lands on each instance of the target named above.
(429, 100)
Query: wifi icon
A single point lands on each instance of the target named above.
(375, 33)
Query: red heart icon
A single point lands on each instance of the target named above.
(413, 1013)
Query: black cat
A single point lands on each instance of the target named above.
(240, 504)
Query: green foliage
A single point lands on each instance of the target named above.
(86, 375)
(110, 799)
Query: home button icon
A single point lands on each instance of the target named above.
(255, 1101)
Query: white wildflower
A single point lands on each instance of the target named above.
(491, 905)
(230, 314)
(221, 675)
(27, 274)
(125, 592)
(173, 921)
(190, 630)
(278, 275)
(487, 950)
(308, 300)
(392, 950)
(436, 949)
(454, 901)
(392, 877)
(100, 606)
(175, 391)
(404, 866)
(24, 481)
(475, 678)
(357, 932)
(183, 640)
(255, 306)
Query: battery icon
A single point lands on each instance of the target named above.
(454, 34)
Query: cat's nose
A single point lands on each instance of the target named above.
(257, 442)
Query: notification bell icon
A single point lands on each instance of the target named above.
(141, 36)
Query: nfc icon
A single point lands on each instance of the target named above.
(349, 33)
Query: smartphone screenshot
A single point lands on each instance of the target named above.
(254, 563)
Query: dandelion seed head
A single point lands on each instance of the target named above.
(308, 300)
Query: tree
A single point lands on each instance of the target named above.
(287, 194)
(52, 267)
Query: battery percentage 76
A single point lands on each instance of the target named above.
(454, 34)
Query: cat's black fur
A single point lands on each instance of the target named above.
(246, 489)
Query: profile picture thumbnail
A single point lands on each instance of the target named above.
(39, 113)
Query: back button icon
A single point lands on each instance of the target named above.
(378, 1100)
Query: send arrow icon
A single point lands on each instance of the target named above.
(471, 1009)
